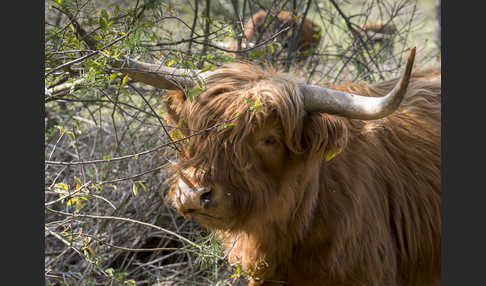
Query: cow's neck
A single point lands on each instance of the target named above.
(270, 238)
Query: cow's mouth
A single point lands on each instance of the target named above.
(209, 221)
(209, 216)
(195, 214)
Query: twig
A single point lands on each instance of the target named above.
(141, 153)
(127, 220)
(206, 31)
(131, 177)
(130, 249)
(295, 36)
(70, 195)
(88, 55)
(156, 115)
(356, 34)
(64, 241)
(193, 28)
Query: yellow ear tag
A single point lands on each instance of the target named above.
(176, 134)
(331, 153)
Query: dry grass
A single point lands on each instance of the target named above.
(129, 238)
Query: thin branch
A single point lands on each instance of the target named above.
(88, 55)
(295, 36)
(130, 177)
(156, 115)
(70, 195)
(74, 216)
(263, 43)
(193, 28)
(144, 152)
(206, 30)
(356, 34)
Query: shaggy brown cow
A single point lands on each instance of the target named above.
(314, 186)
(262, 25)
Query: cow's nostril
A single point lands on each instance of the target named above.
(205, 198)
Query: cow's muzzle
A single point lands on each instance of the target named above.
(192, 199)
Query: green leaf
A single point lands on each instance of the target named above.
(102, 23)
(143, 186)
(194, 91)
(238, 271)
(78, 183)
(62, 185)
(104, 14)
(208, 67)
(71, 201)
(225, 125)
(191, 64)
(125, 91)
(134, 188)
(171, 62)
(79, 205)
(110, 271)
(61, 128)
(229, 33)
(112, 77)
(124, 81)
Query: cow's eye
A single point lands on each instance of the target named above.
(270, 140)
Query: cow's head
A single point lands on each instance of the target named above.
(253, 135)
(256, 134)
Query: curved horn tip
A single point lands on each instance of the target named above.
(410, 61)
(407, 73)
(355, 106)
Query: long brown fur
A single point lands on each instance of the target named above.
(370, 216)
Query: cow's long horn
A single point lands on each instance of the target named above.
(317, 99)
(159, 75)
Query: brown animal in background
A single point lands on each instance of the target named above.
(380, 28)
(310, 185)
(379, 34)
(263, 25)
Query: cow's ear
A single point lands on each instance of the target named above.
(173, 101)
(324, 134)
